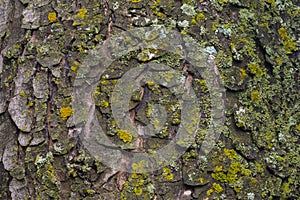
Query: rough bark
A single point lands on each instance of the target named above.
(256, 49)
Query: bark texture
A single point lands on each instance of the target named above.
(255, 45)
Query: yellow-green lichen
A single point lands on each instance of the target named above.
(246, 172)
(81, 13)
(259, 167)
(201, 180)
(75, 66)
(167, 174)
(30, 103)
(222, 1)
(254, 95)
(138, 191)
(230, 175)
(138, 185)
(286, 189)
(47, 177)
(125, 136)
(103, 104)
(218, 168)
(298, 127)
(283, 34)
(255, 69)
(183, 32)
(66, 112)
(52, 16)
(136, 180)
(200, 16)
(202, 83)
(217, 187)
(90, 192)
(271, 2)
(230, 153)
(150, 83)
(243, 73)
(209, 192)
(72, 173)
(138, 166)
(289, 44)
(22, 94)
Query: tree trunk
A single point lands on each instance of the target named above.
(255, 49)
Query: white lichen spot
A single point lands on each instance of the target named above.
(281, 137)
(211, 50)
(188, 10)
(116, 5)
(250, 196)
(183, 23)
(147, 20)
(182, 79)
(187, 193)
(241, 111)
(225, 31)
(203, 158)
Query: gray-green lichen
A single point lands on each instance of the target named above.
(5, 9)
(18, 189)
(256, 46)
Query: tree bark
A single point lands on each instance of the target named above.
(255, 47)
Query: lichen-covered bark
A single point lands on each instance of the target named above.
(256, 48)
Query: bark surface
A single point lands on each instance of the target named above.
(255, 46)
